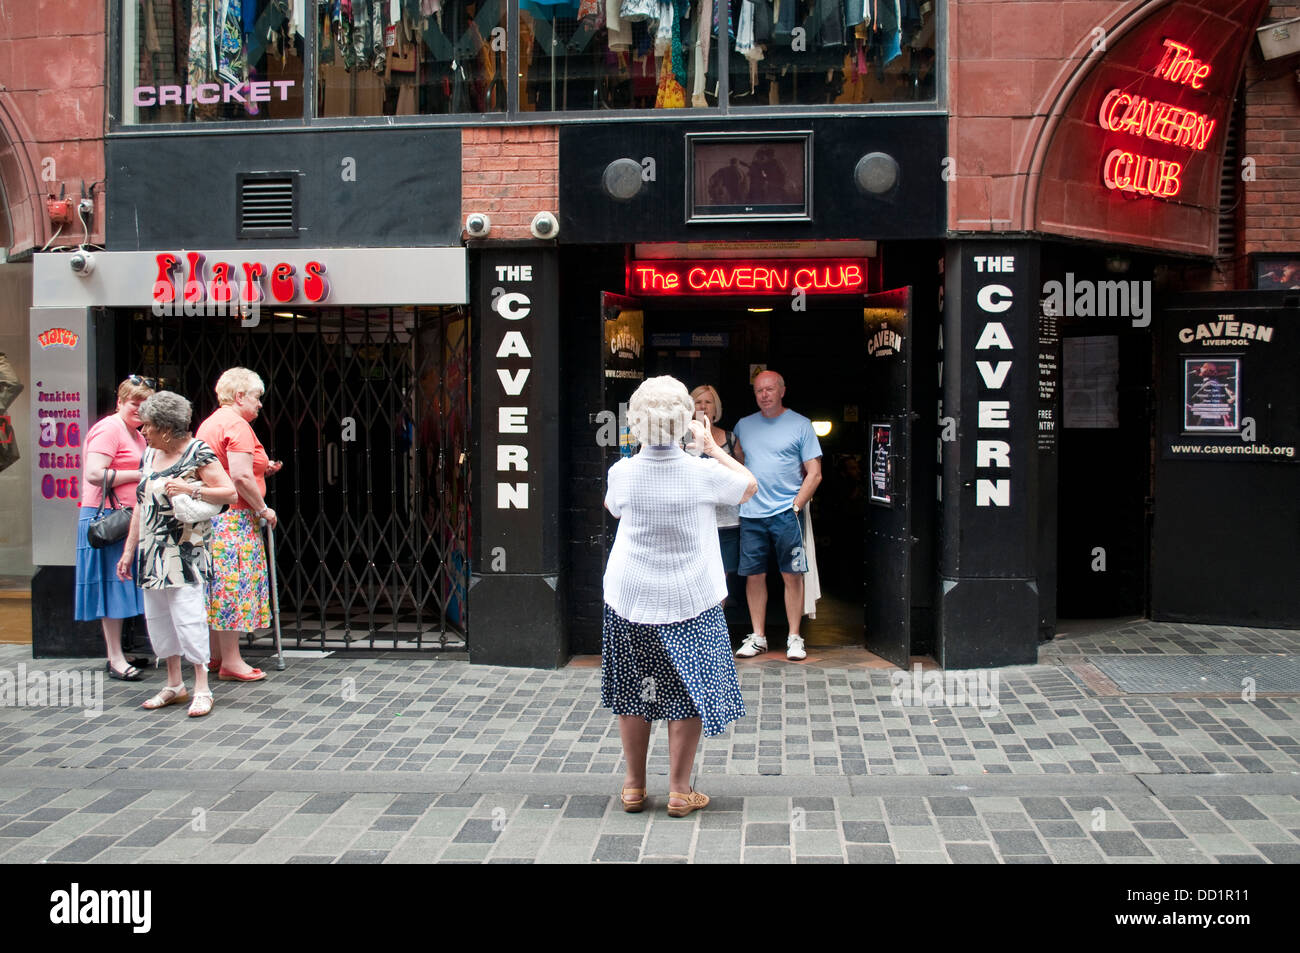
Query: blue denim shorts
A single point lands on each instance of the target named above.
(779, 534)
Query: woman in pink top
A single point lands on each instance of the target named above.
(112, 451)
(239, 599)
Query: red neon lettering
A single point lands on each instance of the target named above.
(1153, 119)
(1144, 175)
(253, 274)
(1169, 184)
(1114, 99)
(652, 279)
(1179, 66)
(221, 289)
(164, 288)
(315, 286)
(283, 286)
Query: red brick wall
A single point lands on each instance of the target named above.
(52, 89)
(1007, 61)
(1270, 219)
(510, 173)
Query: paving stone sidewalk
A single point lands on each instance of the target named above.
(418, 759)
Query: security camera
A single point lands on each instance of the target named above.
(478, 225)
(544, 225)
(82, 263)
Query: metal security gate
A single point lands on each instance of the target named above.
(369, 410)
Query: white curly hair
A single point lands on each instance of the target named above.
(660, 411)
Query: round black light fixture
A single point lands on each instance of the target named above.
(622, 179)
(876, 173)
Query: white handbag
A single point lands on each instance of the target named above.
(190, 510)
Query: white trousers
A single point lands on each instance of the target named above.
(178, 622)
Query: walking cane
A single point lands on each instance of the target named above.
(275, 595)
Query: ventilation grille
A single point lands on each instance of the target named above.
(268, 205)
(1229, 177)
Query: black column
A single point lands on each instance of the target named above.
(988, 594)
(515, 598)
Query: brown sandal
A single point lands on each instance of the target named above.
(635, 806)
(694, 801)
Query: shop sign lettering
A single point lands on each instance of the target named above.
(993, 415)
(57, 337)
(209, 94)
(1126, 170)
(512, 457)
(733, 277)
(1225, 331)
(195, 285)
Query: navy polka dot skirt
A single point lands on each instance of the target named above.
(671, 671)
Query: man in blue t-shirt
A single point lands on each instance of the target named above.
(785, 457)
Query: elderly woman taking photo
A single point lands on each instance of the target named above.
(112, 460)
(665, 650)
(240, 597)
(172, 557)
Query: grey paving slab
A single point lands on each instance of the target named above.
(440, 760)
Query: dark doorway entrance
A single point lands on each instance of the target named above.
(369, 410)
(1105, 473)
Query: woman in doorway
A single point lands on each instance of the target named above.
(173, 560)
(708, 410)
(240, 597)
(113, 449)
(665, 650)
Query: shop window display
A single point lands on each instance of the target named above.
(831, 52)
(229, 60)
(411, 57)
(212, 60)
(606, 54)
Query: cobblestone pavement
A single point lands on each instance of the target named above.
(417, 759)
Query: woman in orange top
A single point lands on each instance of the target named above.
(239, 599)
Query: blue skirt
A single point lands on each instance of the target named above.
(100, 594)
(671, 671)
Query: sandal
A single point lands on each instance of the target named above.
(633, 805)
(128, 674)
(253, 675)
(694, 802)
(171, 695)
(202, 704)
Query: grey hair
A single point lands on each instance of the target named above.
(659, 411)
(169, 412)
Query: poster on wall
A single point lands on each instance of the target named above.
(10, 388)
(624, 341)
(882, 465)
(1212, 395)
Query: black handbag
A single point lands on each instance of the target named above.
(105, 529)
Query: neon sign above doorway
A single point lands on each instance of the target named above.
(1134, 172)
(732, 277)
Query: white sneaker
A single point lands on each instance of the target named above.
(794, 648)
(753, 645)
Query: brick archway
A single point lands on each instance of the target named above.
(20, 190)
(1049, 200)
